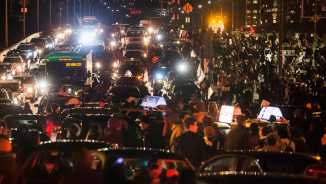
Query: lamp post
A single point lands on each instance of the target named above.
(67, 11)
(6, 25)
(50, 13)
(74, 12)
(60, 15)
(80, 16)
(200, 6)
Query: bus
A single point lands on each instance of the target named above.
(69, 69)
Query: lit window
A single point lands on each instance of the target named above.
(255, 2)
(248, 11)
(254, 11)
(254, 17)
(266, 20)
(274, 21)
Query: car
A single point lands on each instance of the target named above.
(173, 60)
(134, 33)
(258, 161)
(129, 129)
(31, 50)
(6, 69)
(17, 62)
(30, 85)
(103, 61)
(87, 111)
(7, 109)
(48, 99)
(135, 47)
(51, 160)
(136, 40)
(255, 178)
(4, 96)
(134, 69)
(187, 87)
(132, 55)
(128, 86)
(40, 43)
(15, 90)
(50, 42)
(135, 161)
(24, 56)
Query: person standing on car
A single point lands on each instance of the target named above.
(190, 144)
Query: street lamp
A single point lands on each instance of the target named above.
(200, 6)
(67, 11)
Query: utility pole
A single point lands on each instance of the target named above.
(161, 8)
(280, 59)
(24, 7)
(6, 25)
(80, 11)
(60, 15)
(50, 13)
(67, 11)
(38, 15)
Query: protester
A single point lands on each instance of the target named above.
(253, 138)
(237, 139)
(283, 134)
(95, 132)
(271, 143)
(170, 120)
(178, 129)
(112, 133)
(191, 145)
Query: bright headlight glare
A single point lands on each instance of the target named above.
(59, 35)
(43, 84)
(112, 43)
(145, 55)
(115, 64)
(3, 77)
(112, 35)
(29, 90)
(101, 30)
(150, 30)
(15, 101)
(98, 65)
(95, 30)
(159, 37)
(182, 67)
(159, 76)
(39, 51)
(115, 75)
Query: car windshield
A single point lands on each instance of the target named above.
(132, 68)
(38, 40)
(12, 60)
(9, 109)
(25, 47)
(24, 80)
(135, 46)
(127, 81)
(133, 54)
(14, 87)
(138, 33)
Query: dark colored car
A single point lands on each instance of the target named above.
(51, 160)
(103, 61)
(187, 87)
(133, 134)
(258, 161)
(7, 109)
(87, 111)
(256, 178)
(129, 86)
(40, 43)
(32, 121)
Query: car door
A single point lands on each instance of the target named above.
(219, 164)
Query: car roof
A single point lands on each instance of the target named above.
(13, 57)
(143, 152)
(69, 145)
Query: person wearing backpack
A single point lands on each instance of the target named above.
(178, 129)
(283, 134)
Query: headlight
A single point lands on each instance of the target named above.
(122, 31)
(112, 43)
(60, 35)
(39, 51)
(145, 39)
(95, 30)
(115, 75)
(101, 30)
(115, 64)
(15, 101)
(29, 90)
(178, 42)
(98, 65)
(145, 55)
(150, 30)
(30, 54)
(3, 77)
(43, 85)
(159, 76)
(112, 35)
(182, 67)
(159, 37)
(19, 68)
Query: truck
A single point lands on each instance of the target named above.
(69, 69)
(91, 23)
(215, 25)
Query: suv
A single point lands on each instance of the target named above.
(17, 62)
(30, 85)
(31, 50)
(23, 54)
(15, 90)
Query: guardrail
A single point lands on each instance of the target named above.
(11, 47)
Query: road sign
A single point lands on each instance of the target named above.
(187, 8)
(21, 2)
(315, 18)
(22, 10)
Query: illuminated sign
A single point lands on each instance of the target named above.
(73, 64)
(226, 114)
